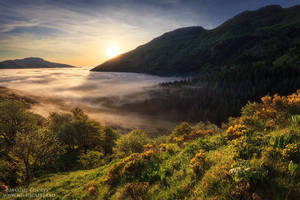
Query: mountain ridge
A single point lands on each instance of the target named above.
(31, 62)
(249, 37)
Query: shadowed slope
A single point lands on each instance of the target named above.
(252, 36)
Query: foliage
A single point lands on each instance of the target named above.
(92, 189)
(13, 119)
(290, 151)
(197, 163)
(91, 159)
(244, 172)
(292, 167)
(36, 150)
(243, 160)
(88, 131)
(10, 173)
(139, 166)
(134, 191)
(76, 130)
(236, 131)
(132, 142)
(109, 137)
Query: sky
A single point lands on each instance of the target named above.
(88, 32)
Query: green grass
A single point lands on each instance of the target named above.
(220, 163)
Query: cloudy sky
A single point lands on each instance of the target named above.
(80, 32)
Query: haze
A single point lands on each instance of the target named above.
(98, 93)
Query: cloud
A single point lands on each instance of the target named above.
(79, 37)
(15, 24)
(79, 31)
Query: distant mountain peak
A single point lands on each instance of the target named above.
(32, 58)
(31, 62)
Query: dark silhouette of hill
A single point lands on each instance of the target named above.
(270, 34)
(30, 63)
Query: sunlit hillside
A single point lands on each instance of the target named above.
(173, 100)
(254, 156)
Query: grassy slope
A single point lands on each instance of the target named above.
(181, 181)
(261, 152)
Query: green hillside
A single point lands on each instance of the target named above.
(246, 81)
(270, 34)
(251, 55)
(254, 156)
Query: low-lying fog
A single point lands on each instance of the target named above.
(100, 94)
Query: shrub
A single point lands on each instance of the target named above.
(270, 156)
(91, 159)
(180, 132)
(290, 151)
(134, 191)
(92, 189)
(246, 147)
(133, 142)
(136, 166)
(282, 140)
(109, 137)
(9, 173)
(113, 174)
(242, 172)
(236, 131)
(67, 161)
(197, 163)
(200, 133)
(170, 148)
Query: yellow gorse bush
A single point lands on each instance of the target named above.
(272, 112)
(271, 106)
(128, 166)
(294, 99)
(198, 161)
(200, 133)
(236, 131)
(290, 150)
(148, 146)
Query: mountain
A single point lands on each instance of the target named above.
(270, 34)
(30, 63)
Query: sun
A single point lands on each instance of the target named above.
(113, 51)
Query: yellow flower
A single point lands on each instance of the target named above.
(198, 161)
(289, 150)
(236, 131)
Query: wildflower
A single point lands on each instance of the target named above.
(290, 150)
(236, 131)
(197, 163)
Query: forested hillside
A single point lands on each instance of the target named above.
(238, 132)
(270, 34)
(249, 56)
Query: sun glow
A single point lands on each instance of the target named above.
(113, 51)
